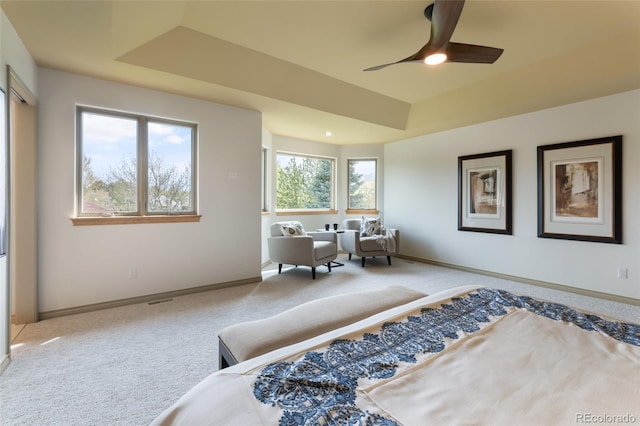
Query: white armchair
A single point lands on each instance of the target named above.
(298, 247)
(384, 244)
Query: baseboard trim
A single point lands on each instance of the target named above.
(4, 363)
(581, 291)
(143, 299)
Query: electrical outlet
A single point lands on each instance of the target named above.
(623, 273)
(133, 272)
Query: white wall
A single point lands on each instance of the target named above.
(421, 197)
(90, 264)
(15, 54)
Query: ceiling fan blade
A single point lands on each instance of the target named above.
(379, 67)
(472, 54)
(413, 58)
(444, 19)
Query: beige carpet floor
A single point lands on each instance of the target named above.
(123, 366)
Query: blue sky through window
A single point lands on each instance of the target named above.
(171, 142)
(108, 140)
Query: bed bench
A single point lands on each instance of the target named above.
(246, 340)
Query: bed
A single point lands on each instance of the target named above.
(463, 356)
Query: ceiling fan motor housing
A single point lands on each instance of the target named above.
(428, 12)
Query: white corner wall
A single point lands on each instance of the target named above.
(421, 178)
(276, 143)
(84, 265)
(15, 54)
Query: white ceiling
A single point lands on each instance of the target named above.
(300, 62)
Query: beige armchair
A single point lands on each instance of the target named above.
(298, 247)
(383, 244)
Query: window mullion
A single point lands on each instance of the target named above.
(194, 167)
(143, 165)
(334, 184)
(79, 163)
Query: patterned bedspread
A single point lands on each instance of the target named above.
(473, 356)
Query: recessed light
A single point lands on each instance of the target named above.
(328, 134)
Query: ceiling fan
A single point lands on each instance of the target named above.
(444, 15)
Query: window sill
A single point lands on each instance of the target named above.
(354, 211)
(305, 212)
(129, 220)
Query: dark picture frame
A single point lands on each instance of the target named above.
(484, 192)
(580, 190)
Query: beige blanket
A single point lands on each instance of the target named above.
(464, 356)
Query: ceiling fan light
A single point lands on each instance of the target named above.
(435, 59)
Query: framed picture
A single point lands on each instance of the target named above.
(580, 190)
(484, 192)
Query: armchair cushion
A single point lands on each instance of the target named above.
(287, 229)
(291, 230)
(323, 249)
(369, 244)
(370, 226)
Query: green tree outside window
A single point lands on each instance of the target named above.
(304, 182)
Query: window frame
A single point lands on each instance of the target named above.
(374, 210)
(265, 180)
(309, 211)
(142, 214)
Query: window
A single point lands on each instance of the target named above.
(305, 183)
(362, 185)
(133, 165)
(265, 159)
